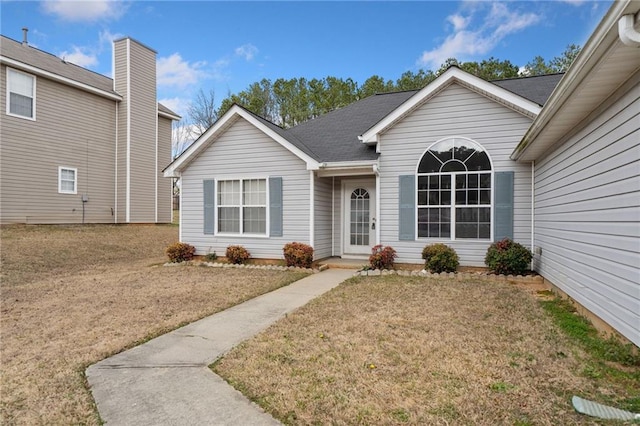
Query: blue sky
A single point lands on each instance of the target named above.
(225, 46)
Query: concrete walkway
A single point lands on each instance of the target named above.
(166, 381)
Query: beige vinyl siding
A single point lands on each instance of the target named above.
(120, 85)
(323, 217)
(456, 111)
(245, 152)
(587, 210)
(143, 133)
(72, 129)
(165, 187)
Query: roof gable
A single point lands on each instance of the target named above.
(452, 75)
(227, 120)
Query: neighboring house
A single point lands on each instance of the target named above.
(402, 169)
(80, 147)
(585, 147)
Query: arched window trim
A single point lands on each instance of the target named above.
(453, 205)
(428, 150)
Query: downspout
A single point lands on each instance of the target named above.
(333, 215)
(115, 216)
(627, 32)
(376, 171)
(533, 209)
(312, 196)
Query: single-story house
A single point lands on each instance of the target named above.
(402, 169)
(463, 161)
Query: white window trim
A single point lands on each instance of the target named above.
(243, 234)
(453, 205)
(75, 181)
(8, 95)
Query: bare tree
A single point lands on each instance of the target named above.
(202, 111)
(183, 135)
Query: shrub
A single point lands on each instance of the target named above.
(237, 254)
(382, 257)
(440, 258)
(180, 252)
(211, 257)
(298, 254)
(508, 257)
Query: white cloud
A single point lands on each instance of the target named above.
(466, 42)
(86, 10)
(80, 56)
(247, 51)
(106, 38)
(175, 71)
(575, 2)
(178, 105)
(459, 22)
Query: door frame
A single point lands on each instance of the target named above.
(348, 185)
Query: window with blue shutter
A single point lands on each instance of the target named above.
(407, 205)
(275, 206)
(503, 208)
(209, 202)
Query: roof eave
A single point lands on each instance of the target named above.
(55, 77)
(603, 38)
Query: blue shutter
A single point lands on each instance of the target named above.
(407, 205)
(209, 201)
(275, 206)
(503, 207)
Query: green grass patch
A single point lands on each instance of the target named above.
(584, 333)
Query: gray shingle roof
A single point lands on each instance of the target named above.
(48, 62)
(536, 88)
(45, 61)
(334, 136)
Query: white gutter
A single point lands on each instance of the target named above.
(64, 80)
(627, 32)
(169, 116)
(376, 220)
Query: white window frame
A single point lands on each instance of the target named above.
(75, 180)
(241, 207)
(33, 95)
(453, 206)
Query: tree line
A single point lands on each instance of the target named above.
(288, 102)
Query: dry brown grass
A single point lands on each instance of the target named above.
(74, 295)
(399, 350)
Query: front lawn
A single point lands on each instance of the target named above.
(73, 295)
(396, 350)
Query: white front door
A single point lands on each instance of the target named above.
(359, 233)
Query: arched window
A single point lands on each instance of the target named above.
(454, 191)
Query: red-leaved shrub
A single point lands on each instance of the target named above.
(298, 254)
(382, 257)
(180, 252)
(237, 254)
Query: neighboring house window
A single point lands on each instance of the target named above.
(454, 191)
(242, 206)
(21, 94)
(67, 180)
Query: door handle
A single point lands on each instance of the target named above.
(373, 223)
